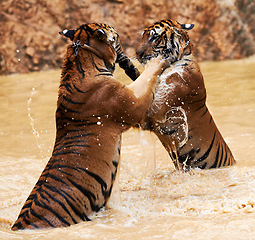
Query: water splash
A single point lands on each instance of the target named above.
(148, 143)
(34, 131)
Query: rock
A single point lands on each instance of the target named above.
(30, 51)
(223, 29)
(36, 60)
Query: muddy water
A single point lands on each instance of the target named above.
(156, 201)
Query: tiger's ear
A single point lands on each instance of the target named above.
(187, 26)
(68, 33)
(100, 33)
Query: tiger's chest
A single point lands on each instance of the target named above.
(169, 87)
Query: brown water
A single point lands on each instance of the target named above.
(156, 201)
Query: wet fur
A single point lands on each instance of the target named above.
(178, 114)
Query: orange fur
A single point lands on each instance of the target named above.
(178, 114)
(93, 110)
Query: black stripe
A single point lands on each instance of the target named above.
(70, 100)
(73, 120)
(42, 196)
(81, 215)
(203, 166)
(55, 178)
(226, 156)
(85, 124)
(66, 173)
(66, 152)
(200, 100)
(18, 226)
(79, 67)
(26, 221)
(200, 107)
(67, 86)
(206, 110)
(97, 178)
(25, 213)
(207, 152)
(115, 163)
(62, 205)
(79, 136)
(114, 175)
(34, 225)
(210, 119)
(58, 191)
(65, 166)
(90, 196)
(61, 107)
(172, 40)
(72, 137)
(99, 69)
(58, 140)
(41, 217)
(221, 158)
(78, 90)
(216, 158)
(47, 207)
(31, 197)
(70, 145)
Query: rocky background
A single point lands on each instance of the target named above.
(224, 29)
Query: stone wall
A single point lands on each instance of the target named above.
(224, 29)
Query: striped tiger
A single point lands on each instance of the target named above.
(93, 109)
(178, 114)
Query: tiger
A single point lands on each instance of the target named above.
(178, 114)
(93, 110)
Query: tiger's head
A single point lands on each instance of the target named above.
(105, 42)
(165, 37)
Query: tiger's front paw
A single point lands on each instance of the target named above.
(158, 63)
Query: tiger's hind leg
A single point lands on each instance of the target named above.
(172, 131)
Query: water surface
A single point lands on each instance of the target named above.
(156, 201)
